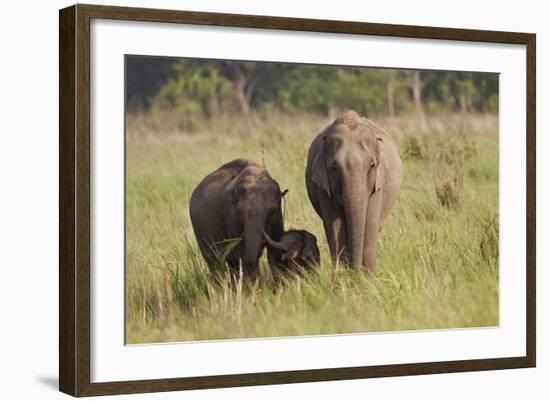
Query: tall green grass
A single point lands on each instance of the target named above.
(438, 254)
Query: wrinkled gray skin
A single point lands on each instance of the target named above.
(238, 200)
(298, 250)
(353, 177)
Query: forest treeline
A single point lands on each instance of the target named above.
(198, 87)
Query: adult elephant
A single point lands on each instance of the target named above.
(353, 177)
(238, 200)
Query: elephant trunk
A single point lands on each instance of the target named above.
(253, 243)
(275, 244)
(355, 206)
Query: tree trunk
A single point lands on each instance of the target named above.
(240, 86)
(389, 92)
(233, 71)
(462, 101)
(417, 93)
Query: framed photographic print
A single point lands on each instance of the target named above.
(250, 200)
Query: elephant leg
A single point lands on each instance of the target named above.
(206, 251)
(233, 263)
(335, 228)
(275, 264)
(372, 231)
(236, 263)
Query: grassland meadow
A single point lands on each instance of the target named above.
(438, 253)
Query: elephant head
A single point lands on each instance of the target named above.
(298, 248)
(348, 167)
(254, 206)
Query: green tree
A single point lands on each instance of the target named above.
(208, 87)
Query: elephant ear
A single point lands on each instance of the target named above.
(380, 178)
(380, 168)
(233, 224)
(233, 189)
(319, 173)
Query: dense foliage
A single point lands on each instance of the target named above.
(204, 88)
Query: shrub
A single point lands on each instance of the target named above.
(412, 149)
(448, 156)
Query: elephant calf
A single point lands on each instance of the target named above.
(298, 249)
(238, 200)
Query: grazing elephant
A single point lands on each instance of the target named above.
(238, 200)
(353, 177)
(298, 249)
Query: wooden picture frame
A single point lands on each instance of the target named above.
(74, 200)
